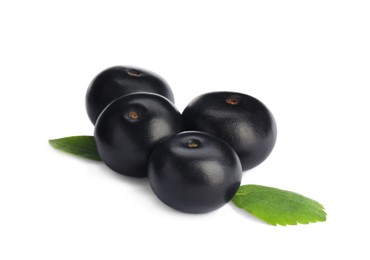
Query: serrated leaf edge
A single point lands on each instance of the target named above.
(321, 209)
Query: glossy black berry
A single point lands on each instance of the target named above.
(119, 81)
(128, 129)
(194, 172)
(241, 120)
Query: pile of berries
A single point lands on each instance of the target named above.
(194, 160)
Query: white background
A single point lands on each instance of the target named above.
(308, 61)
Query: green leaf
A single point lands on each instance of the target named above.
(83, 146)
(278, 207)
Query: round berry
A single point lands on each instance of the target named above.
(240, 120)
(194, 172)
(128, 129)
(119, 81)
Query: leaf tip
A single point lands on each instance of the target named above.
(52, 142)
(83, 146)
